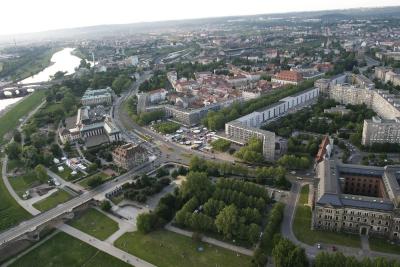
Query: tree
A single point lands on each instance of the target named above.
(286, 254)
(17, 136)
(221, 145)
(41, 173)
(92, 168)
(13, 150)
(105, 205)
(146, 222)
(68, 102)
(197, 184)
(95, 181)
(227, 221)
(30, 155)
(121, 83)
(38, 140)
(56, 150)
(84, 64)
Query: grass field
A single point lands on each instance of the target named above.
(53, 200)
(22, 183)
(13, 164)
(167, 249)
(95, 223)
(84, 182)
(63, 250)
(10, 212)
(10, 120)
(382, 245)
(66, 173)
(303, 232)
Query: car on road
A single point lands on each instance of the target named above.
(319, 246)
(299, 178)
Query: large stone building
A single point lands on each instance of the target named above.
(357, 199)
(129, 155)
(97, 97)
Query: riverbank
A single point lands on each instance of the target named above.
(39, 64)
(10, 119)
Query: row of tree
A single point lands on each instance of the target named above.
(216, 168)
(270, 235)
(325, 259)
(295, 162)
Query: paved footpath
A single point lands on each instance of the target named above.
(212, 241)
(21, 202)
(105, 247)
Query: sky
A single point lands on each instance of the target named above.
(22, 16)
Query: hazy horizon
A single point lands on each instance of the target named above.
(43, 15)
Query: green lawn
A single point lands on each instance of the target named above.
(66, 173)
(53, 200)
(117, 199)
(63, 250)
(95, 223)
(303, 232)
(14, 164)
(84, 182)
(10, 120)
(22, 183)
(382, 245)
(10, 212)
(164, 248)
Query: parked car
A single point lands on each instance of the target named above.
(319, 246)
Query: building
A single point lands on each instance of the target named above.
(339, 109)
(129, 155)
(377, 130)
(280, 108)
(97, 97)
(193, 116)
(325, 149)
(158, 95)
(288, 77)
(246, 127)
(238, 131)
(93, 131)
(357, 199)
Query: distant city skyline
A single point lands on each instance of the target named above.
(22, 16)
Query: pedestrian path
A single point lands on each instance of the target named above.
(104, 246)
(212, 241)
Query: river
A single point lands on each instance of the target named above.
(60, 61)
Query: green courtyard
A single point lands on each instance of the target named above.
(303, 232)
(84, 182)
(63, 250)
(53, 200)
(23, 182)
(66, 173)
(95, 223)
(168, 249)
